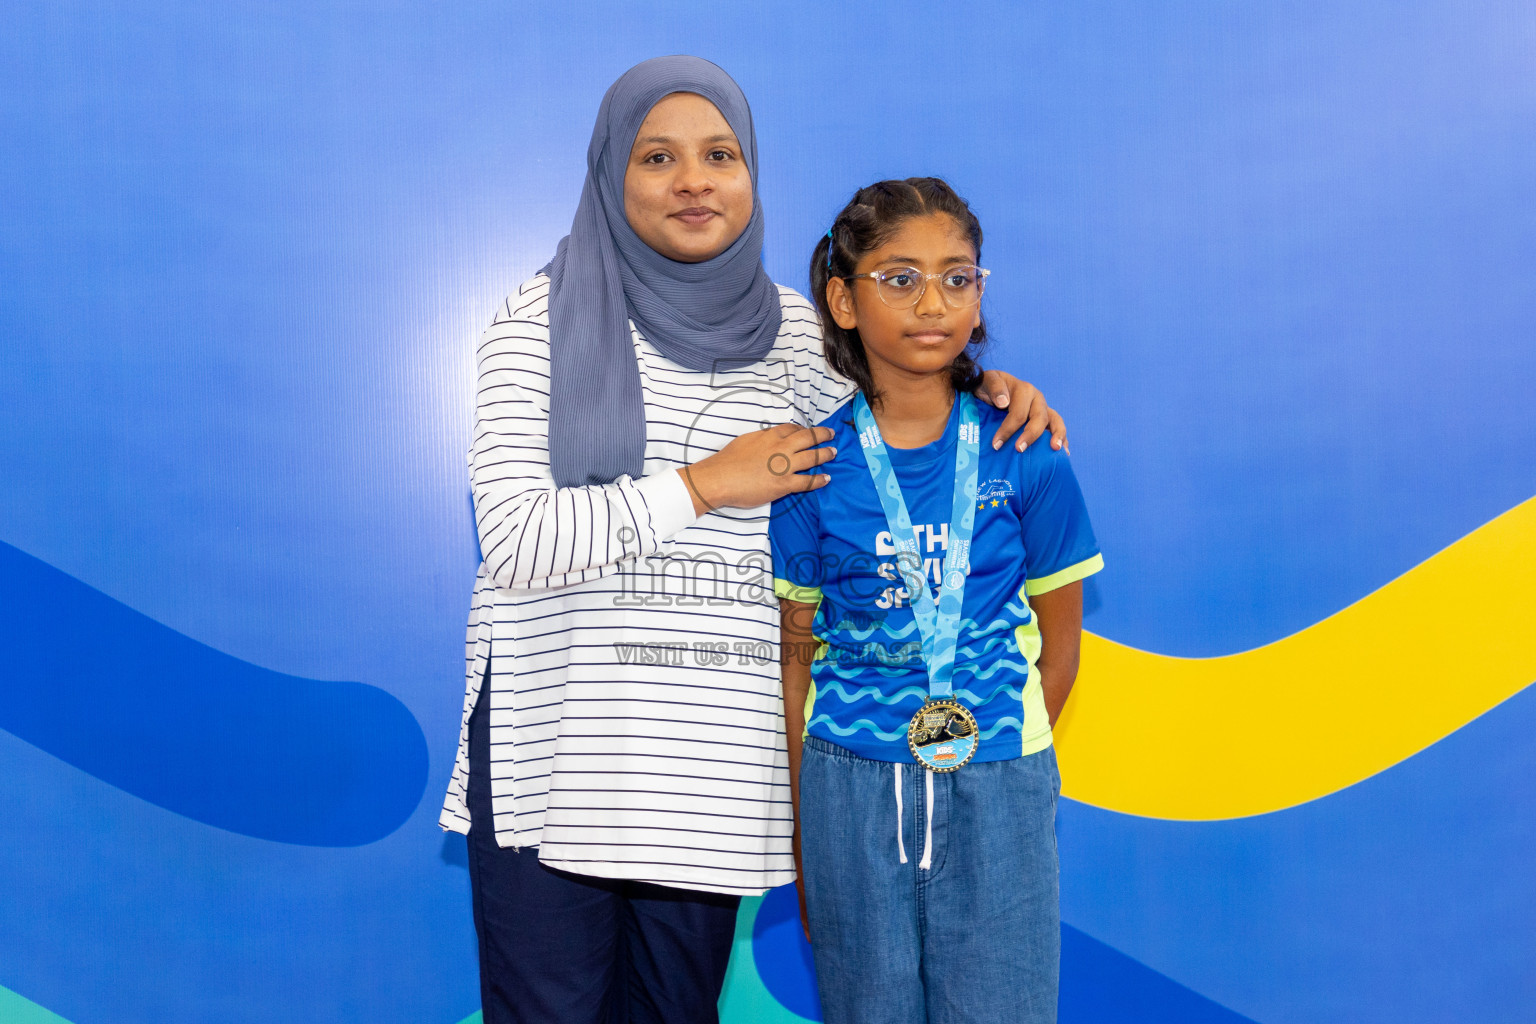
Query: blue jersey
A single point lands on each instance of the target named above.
(832, 547)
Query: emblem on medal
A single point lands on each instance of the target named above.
(943, 735)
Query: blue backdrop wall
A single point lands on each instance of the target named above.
(1274, 261)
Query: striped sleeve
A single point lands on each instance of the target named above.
(818, 389)
(532, 533)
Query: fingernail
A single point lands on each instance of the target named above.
(1023, 444)
(996, 443)
(1002, 400)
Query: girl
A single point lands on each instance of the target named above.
(941, 582)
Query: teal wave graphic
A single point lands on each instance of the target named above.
(1021, 667)
(977, 700)
(854, 671)
(880, 627)
(1001, 724)
(838, 690)
(862, 723)
(866, 725)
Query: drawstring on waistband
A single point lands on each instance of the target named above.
(901, 848)
(926, 863)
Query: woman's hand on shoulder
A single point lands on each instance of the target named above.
(759, 467)
(1026, 408)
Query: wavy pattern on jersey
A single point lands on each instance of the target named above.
(1017, 725)
(999, 628)
(1001, 689)
(879, 628)
(1018, 665)
(855, 672)
(864, 723)
(855, 726)
(970, 627)
(838, 690)
(1319, 710)
(997, 632)
(194, 730)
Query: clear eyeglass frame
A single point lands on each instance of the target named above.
(898, 296)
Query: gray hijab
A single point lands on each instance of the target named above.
(722, 312)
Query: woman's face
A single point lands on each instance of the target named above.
(687, 192)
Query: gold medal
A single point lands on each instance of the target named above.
(943, 735)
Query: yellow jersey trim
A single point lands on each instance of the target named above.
(787, 591)
(1071, 574)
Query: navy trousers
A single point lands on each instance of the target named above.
(558, 948)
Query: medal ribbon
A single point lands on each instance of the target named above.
(937, 622)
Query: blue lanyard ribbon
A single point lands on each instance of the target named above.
(937, 622)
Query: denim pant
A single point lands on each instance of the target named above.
(973, 937)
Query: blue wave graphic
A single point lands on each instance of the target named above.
(857, 672)
(837, 689)
(865, 724)
(987, 646)
(1021, 667)
(862, 723)
(879, 627)
(1002, 723)
(977, 700)
(1001, 627)
(1100, 984)
(195, 731)
(853, 670)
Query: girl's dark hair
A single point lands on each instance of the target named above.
(872, 216)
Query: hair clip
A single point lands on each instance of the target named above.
(829, 247)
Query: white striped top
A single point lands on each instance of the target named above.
(636, 723)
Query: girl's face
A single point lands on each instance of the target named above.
(687, 192)
(923, 339)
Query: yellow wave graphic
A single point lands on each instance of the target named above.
(1249, 733)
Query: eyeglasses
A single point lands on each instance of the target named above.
(903, 287)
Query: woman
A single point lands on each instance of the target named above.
(640, 402)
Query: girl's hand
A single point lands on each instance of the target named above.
(759, 467)
(1026, 407)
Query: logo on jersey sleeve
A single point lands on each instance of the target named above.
(993, 494)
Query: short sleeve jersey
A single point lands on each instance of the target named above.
(832, 547)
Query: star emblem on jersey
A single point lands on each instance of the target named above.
(993, 493)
